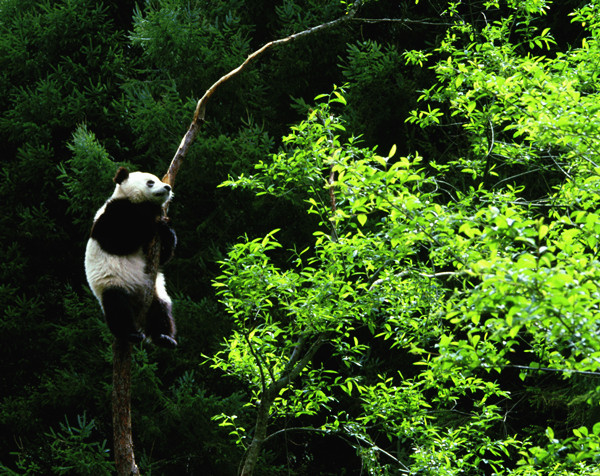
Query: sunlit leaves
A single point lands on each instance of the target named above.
(487, 267)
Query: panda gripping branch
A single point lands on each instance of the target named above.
(129, 240)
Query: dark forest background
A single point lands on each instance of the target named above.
(87, 86)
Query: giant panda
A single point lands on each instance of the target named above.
(130, 238)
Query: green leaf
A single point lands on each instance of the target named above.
(392, 151)
(339, 98)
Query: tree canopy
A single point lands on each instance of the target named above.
(388, 235)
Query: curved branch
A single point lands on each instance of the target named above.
(200, 111)
(295, 365)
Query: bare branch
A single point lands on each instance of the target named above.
(200, 111)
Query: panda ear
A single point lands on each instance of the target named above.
(122, 175)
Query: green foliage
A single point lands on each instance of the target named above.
(87, 176)
(379, 91)
(53, 78)
(69, 450)
(182, 36)
(179, 38)
(186, 416)
(355, 278)
(73, 454)
(473, 281)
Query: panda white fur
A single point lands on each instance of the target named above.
(129, 233)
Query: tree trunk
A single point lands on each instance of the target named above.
(295, 365)
(121, 408)
(121, 391)
(260, 433)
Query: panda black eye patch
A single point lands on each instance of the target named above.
(150, 183)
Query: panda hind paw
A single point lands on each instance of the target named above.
(136, 337)
(164, 340)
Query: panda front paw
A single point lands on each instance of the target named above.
(165, 341)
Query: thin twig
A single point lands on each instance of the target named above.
(407, 21)
(360, 440)
(550, 369)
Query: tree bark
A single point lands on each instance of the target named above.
(296, 364)
(260, 432)
(121, 408)
(121, 389)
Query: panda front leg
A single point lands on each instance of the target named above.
(119, 311)
(160, 325)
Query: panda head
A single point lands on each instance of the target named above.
(140, 187)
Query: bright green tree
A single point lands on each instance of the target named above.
(478, 275)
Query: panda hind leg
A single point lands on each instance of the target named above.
(120, 315)
(160, 325)
(159, 320)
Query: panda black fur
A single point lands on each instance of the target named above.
(128, 233)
